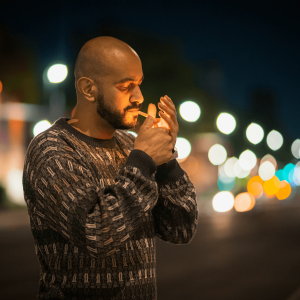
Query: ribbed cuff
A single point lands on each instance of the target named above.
(141, 160)
(170, 171)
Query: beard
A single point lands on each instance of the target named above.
(114, 117)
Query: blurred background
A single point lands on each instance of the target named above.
(232, 70)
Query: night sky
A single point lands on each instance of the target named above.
(257, 43)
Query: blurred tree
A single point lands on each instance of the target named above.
(17, 68)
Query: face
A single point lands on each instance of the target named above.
(120, 92)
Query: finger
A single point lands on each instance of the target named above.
(169, 111)
(167, 100)
(169, 121)
(148, 122)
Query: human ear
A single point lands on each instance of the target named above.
(86, 87)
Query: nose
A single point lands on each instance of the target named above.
(137, 95)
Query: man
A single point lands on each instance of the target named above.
(96, 195)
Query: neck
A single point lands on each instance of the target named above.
(87, 125)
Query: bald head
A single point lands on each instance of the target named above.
(99, 56)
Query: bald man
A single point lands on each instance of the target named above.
(97, 196)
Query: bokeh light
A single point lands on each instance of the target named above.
(192, 165)
(223, 201)
(14, 186)
(254, 133)
(226, 123)
(296, 175)
(244, 202)
(190, 111)
(271, 159)
(255, 186)
(239, 171)
(217, 154)
(226, 183)
(274, 140)
(247, 160)
(40, 127)
(266, 170)
(288, 172)
(281, 175)
(284, 191)
(183, 147)
(295, 148)
(57, 73)
(272, 186)
(229, 167)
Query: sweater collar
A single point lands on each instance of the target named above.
(108, 143)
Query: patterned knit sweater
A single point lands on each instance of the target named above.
(95, 208)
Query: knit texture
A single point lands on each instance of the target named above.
(95, 208)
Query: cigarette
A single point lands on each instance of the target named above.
(143, 114)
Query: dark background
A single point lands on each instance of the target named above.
(235, 56)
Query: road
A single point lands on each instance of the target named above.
(233, 256)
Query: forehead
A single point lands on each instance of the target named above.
(129, 66)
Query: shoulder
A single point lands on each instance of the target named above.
(51, 142)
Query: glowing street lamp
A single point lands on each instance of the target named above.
(57, 73)
(226, 123)
(190, 111)
(254, 133)
(40, 127)
(274, 140)
(183, 147)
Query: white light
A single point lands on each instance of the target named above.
(221, 170)
(229, 166)
(254, 133)
(133, 133)
(40, 127)
(239, 171)
(226, 123)
(269, 158)
(296, 175)
(247, 160)
(57, 73)
(296, 148)
(266, 170)
(190, 111)
(14, 186)
(183, 147)
(274, 140)
(217, 154)
(223, 201)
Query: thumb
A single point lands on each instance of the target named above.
(148, 122)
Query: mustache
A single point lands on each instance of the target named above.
(135, 107)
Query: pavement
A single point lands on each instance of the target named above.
(233, 256)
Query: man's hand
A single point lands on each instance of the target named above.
(170, 116)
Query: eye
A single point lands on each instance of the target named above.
(124, 88)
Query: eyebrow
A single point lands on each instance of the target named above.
(129, 79)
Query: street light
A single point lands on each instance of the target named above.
(190, 111)
(226, 123)
(54, 93)
(254, 133)
(57, 73)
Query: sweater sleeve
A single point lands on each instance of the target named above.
(175, 213)
(62, 194)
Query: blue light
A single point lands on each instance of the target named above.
(281, 175)
(289, 170)
(226, 183)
